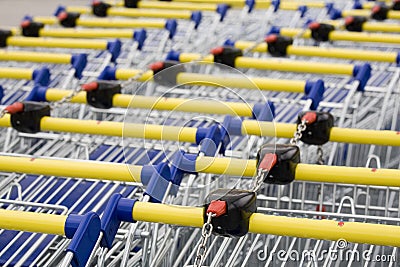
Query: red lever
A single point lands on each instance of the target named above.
(217, 207)
(217, 50)
(96, 2)
(314, 25)
(268, 162)
(348, 20)
(25, 23)
(62, 16)
(156, 66)
(15, 108)
(92, 86)
(309, 117)
(376, 9)
(272, 38)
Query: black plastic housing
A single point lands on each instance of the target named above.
(228, 56)
(279, 47)
(4, 34)
(100, 9)
(321, 33)
(70, 20)
(167, 74)
(380, 12)
(283, 172)
(28, 120)
(240, 205)
(356, 24)
(131, 3)
(32, 29)
(318, 132)
(103, 96)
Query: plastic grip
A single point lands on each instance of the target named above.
(196, 18)
(79, 62)
(140, 36)
(114, 48)
(362, 74)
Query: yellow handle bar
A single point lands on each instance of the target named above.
(377, 234)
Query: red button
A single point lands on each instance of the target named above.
(218, 50)
(348, 20)
(90, 86)
(156, 66)
(309, 117)
(217, 207)
(25, 23)
(268, 162)
(272, 38)
(314, 25)
(15, 108)
(376, 9)
(62, 16)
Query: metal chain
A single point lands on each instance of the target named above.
(258, 180)
(299, 132)
(3, 112)
(206, 232)
(133, 78)
(66, 98)
(320, 155)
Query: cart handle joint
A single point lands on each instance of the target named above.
(84, 238)
(41, 76)
(79, 62)
(140, 36)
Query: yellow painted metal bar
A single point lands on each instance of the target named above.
(267, 84)
(343, 135)
(293, 86)
(6, 55)
(225, 166)
(177, 6)
(304, 172)
(392, 14)
(355, 232)
(347, 36)
(16, 73)
(109, 128)
(360, 136)
(86, 33)
(126, 74)
(370, 26)
(132, 12)
(56, 42)
(32, 222)
(312, 51)
(107, 23)
(112, 23)
(294, 66)
(278, 64)
(369, 5)
(168, 214)
(71, 168)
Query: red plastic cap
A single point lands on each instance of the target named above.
(314, 25)
(15, 108)
(90, 86)
(348, 20)
(217, 207)
(62, 16)
(272, 38)
(376, 9)
(309, 117)
(25, 23)
(157, 66)
(96, 2)
(268, 162)
(218, 50)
